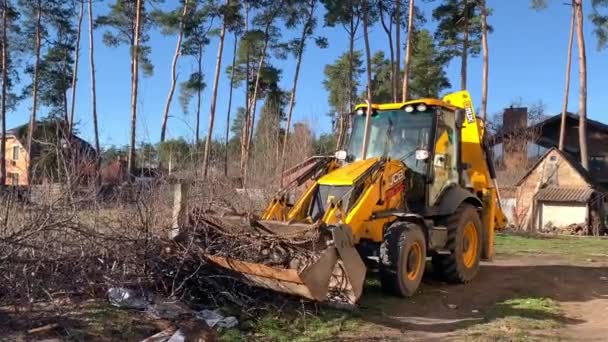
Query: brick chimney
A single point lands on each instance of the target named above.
(515, 141)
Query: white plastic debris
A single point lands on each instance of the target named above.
(215, 319)
(125, 298)
(177, 337)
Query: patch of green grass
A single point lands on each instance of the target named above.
(519, 319)
(292, 327)
(574, 248)
(105, 323)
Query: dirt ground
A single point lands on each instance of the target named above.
(468, 312)
(534, 290)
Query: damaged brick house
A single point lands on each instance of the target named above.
(558, 195)
(51, 149)
(543, 188)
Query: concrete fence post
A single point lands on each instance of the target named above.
(180, 208)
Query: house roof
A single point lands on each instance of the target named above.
(556, 194)
(573, 163)
(554, 122)
(21, 134)
(571, 116)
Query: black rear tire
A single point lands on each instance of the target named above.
(465, 241)
(402, 259)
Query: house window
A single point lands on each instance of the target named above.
(13, 178)
(15, 152)
(597, 163)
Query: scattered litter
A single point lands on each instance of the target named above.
(161, 336)
(475, 311)
(125, 298)
(177, 337)
(168, 310)
(604, 278)
(213, 318)
(590, 260)
(452, 306)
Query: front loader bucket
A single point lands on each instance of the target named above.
(336, 274)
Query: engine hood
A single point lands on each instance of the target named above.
(347, 174)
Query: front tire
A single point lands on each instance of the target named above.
(465, 243)
(402, 259)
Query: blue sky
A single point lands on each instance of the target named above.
(527, 61)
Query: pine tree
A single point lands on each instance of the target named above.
(459, 31)
(304, 13)
(172, 22)
(427, 77)
(128, 23)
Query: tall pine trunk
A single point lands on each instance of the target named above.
(253, 100)
(397, 65)
(294, 86)
(562, 128)
(368, 59)
(230, 104)
(197, 134)
(93, 90)
(176, 54)
(134, 84)
(4, 93)
(484, 43)
(32, 126)
(343, 117)
(388, 29)
(465, 47)
(218, 67)
(75, 69)
(245, 124)
(408, 52)
(582, 60)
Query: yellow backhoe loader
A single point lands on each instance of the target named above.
(414, 182)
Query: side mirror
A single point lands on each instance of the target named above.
(422, 155)
(341, 155)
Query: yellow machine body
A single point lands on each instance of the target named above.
(378, 188)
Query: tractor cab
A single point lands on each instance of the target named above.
(421, 134)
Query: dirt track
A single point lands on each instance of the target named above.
(453, 312)
(526, 294)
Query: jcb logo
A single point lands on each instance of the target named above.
(397, 177)
(468, 109)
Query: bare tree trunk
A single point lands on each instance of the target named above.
(294, 86)
(178, 47)
(245, 124)
(351, 61)
(397, 65)
(388, 29)
(562, 129)
(216, 80)
(230, 104)
(32, 127)
(4, 92)
(369, 78)
(75, 70)
(408, 52)
(197, 138)
(253, 100)
(582, 60)
(93, 90)
(465, 48)
(134, 84)
(484, 43)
